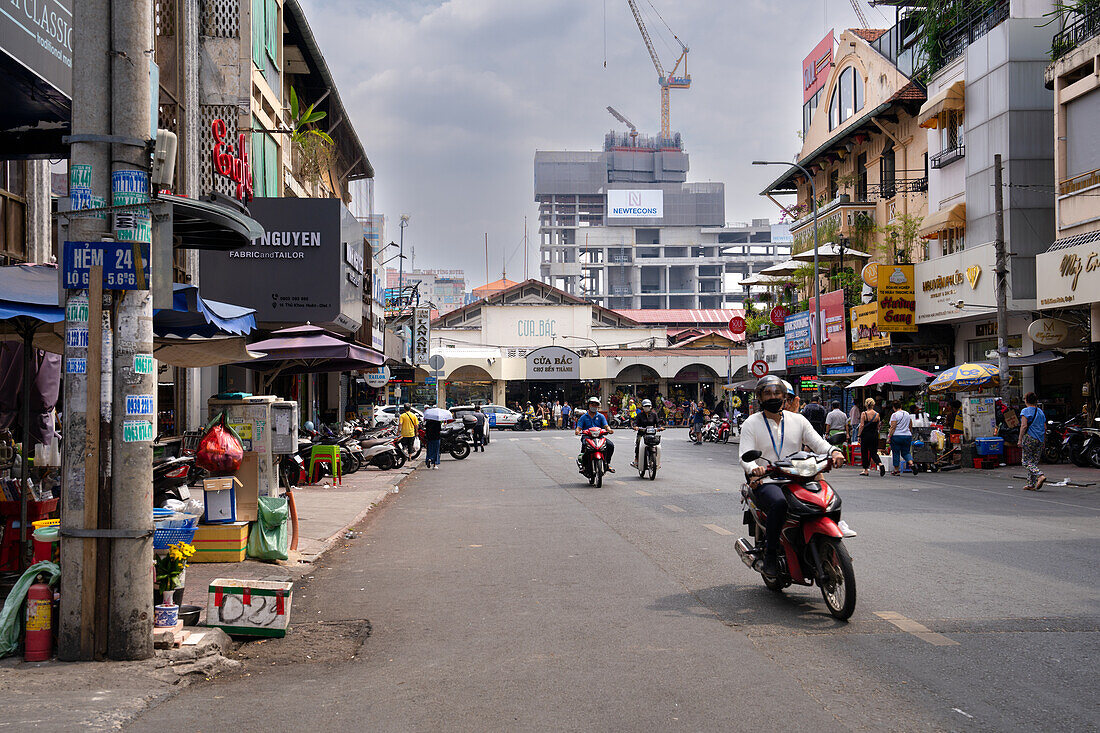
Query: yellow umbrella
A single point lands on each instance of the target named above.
(966, 377)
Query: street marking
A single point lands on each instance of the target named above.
(639, 492)
(475, 545)
(717, 530)
(920, 631)
(513, 439)
(673, 508)
(536, 438)
(558, 437)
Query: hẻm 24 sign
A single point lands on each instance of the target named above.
(122, 270)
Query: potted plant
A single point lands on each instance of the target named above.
(170, 569)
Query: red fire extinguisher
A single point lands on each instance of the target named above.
(38, 646)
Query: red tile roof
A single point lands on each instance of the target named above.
(496, 287)
(911, 92)
(681, 316)
(868, 34)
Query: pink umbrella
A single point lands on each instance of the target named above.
(902, 376)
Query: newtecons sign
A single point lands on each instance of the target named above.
(298, 271)
(636, 204)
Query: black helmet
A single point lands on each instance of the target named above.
(770, 380)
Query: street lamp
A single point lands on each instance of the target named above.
(397, 256)
(585, 338)
(817, 279)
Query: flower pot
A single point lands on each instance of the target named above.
(165, 615)
(172, 596)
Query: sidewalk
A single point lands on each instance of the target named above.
(69, 695)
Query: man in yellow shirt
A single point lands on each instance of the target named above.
(409, 425)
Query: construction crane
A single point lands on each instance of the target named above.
(633, 130)
(666, 81)
(859, 14)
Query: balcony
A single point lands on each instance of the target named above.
(898, 185)
(964, 24)
(1073, 35)
(945, 158)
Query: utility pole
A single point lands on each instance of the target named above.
(1001, 281)
(130, 628)
(80, 637)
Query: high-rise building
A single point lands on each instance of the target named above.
(444, 289)
(624, 228)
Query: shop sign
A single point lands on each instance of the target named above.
(815, 68)
(737, 325)
(960, 277)
(869, 274)
(39, 35)
(897, 298)
(232, 162)
(1069, 276)
(831, 322)
(421, 334)
(840, 369)
(865, 332)
(779, 315)
(553, 362)
(377, 378)
(769, 351)
(1048, 331)
(796, 336)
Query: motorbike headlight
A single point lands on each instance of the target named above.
(805, 467)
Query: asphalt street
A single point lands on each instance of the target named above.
(504, 593)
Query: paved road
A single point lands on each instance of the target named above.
(504, 593)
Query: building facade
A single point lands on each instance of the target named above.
(444, 289)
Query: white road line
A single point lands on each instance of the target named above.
(673, 508)
(513, 439)
(639, 492)
(718, 530)
(1030, 496)
(541, 438)
(920, 631)
(558, 437)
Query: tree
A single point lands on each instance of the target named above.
(901, 235)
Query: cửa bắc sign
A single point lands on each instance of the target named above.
(553, 362)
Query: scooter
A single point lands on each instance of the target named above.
(812, 546)
(591, 462)
(648, 455)
(454, 439)
(723, 431)
(172, 478)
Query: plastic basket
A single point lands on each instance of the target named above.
(164, 538)
(46, 523)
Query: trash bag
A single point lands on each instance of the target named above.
(270, 535)
(11, 616)
(220, 450)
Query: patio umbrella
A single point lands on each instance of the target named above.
(25, 307)
(831, 252)
(966, 377)
(902, 376)
(309, 350)
(758, 279)
(783, 268)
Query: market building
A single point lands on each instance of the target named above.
(494, 351)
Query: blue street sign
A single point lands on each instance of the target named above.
(840, 369)
(117, 260)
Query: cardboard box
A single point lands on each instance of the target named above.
(220, 542)
(249, 607)
(248, 491)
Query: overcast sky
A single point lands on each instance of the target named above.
(452, 99)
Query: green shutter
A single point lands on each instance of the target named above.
(273, 31)
(258, 162)
(271, 166)
(259, 32)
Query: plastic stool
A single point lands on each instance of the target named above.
(326, 454)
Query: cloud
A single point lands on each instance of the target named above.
(452, 99)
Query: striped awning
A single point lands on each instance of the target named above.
(951, 98)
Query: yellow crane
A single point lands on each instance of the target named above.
(666, 81)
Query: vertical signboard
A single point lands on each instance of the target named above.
(865, 333)
(829, 320)
(796, 340)
(897, 298)
(815, 67)
(421, 334)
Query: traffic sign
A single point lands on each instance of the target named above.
(737, 324)
(436, 361)
(759, 368)
(121, 269)
(778, 315)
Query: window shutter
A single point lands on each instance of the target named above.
(273, 31)
(259, 33)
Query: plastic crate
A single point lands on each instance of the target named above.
(989, 446)
(986, 462)
(163, 537)
(1013, 455)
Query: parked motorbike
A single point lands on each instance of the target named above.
(1052, 446)
(455, 439)
(812, 547)
(723, 432)
(173, 477)
(648, 457)
(591, 462)
(1080, 444)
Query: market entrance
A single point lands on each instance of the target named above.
(694, 382)
(469, 385)
(575, 392)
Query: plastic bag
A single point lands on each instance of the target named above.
(220, 451)
(269, 538)
(11, 616)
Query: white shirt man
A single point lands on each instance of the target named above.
(789, 431)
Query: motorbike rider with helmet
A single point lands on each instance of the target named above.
(647, 418)
(776, 433)
(593, 418)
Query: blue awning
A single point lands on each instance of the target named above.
(192, 315)
(30, 292)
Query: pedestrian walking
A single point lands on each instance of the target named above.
(1033, 433)
(566, 415)
(853, 420)
(409, 424)
(901, 440)
(479, 428)
(815, 413)
(432, 430)
(835, 420)
(869, 422)
(557, 414)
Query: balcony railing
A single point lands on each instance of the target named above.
(971, 21)
(948, 156)
(1073, 35)
(899, 185)
(1079, 182)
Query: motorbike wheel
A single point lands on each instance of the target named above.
(400, 460)
(652, 470)
(349, 462)
(1093, 457)
(1052, 454)
(384, 461)
(599, 474)
(839, 587)
(1078, 457)
(536, 425)
(460, 452)
(726, 437)
(288, 472)
(644, 466)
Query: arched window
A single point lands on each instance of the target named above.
(847, 98)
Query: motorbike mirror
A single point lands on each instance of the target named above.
(750, 455)
(837, 439)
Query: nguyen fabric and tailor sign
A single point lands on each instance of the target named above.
(897, 298)
(636, 204)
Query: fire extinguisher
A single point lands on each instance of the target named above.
(38, 646)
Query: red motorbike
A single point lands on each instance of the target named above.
(812, 547)
(591, 461)
(723, 435)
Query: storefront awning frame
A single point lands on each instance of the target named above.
(951, 98)
(938, 221)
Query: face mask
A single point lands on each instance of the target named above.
(773, 405)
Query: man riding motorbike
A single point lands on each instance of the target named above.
(594, 419)
(776, 433)
(647, 418)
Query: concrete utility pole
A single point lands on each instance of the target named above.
(91, 171)
(1001, 281)
(130, 630)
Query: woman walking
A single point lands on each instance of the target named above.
(868, 438)
(901, 440)
(1033, 426)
